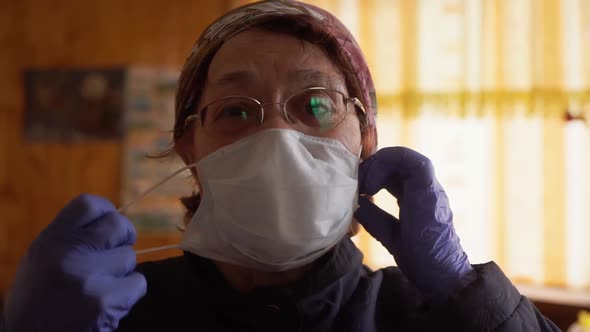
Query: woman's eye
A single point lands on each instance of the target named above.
(232, 112)
(319, 106)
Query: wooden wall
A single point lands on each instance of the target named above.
(36, 180)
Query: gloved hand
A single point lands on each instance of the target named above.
(423, 240)
(77, 275)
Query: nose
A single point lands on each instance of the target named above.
(274, 117)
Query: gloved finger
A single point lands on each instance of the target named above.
(384, 227)
(81, 211)
(110, 231)
(391, 168)
(115, 296)
(116, 262)
(130, 289)
(373, 174)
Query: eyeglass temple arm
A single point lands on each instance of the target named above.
(358, 103)
(189, 119)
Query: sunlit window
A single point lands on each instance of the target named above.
(497, 94)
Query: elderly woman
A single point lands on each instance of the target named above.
(276, 110)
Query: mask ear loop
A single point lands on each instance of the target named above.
(139, 197)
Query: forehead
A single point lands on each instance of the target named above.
(258, 53)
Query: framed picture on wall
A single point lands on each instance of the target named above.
(65, 105)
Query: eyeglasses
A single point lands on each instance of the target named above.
(312, 111)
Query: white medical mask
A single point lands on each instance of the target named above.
(273, 201)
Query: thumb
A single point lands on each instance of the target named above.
(384, 227)
(81, 211)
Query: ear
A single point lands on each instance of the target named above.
(184, 147)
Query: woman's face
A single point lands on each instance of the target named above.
(268, 67)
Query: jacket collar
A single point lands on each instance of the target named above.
(316, 299)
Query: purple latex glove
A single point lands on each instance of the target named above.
(423, 241)
(77, 274)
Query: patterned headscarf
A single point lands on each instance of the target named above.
(193, 76)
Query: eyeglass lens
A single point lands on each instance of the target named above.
(309, 111)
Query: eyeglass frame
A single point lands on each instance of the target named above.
(347, 100)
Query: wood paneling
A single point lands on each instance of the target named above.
(36, 179)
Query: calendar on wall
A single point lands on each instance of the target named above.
(149, 120)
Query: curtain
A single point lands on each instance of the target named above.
(497, 94)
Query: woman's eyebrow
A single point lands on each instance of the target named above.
(302, 76)
(309, 76)
(235, 77)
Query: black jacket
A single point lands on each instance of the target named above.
(187, 293)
